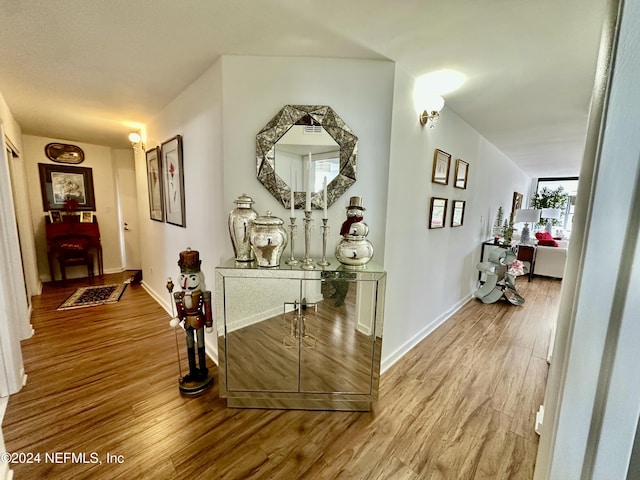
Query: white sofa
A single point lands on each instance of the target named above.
(551, 261)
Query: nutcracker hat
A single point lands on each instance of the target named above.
(189, 261)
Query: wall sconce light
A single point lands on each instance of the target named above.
(136, 140)
(433, 105)
(428, 90)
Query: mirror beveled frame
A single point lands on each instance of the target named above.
(286, 118)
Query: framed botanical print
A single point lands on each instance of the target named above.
(462, 172)
(61, 185)
(441, 164)
(173, 174)
(437, 212)
(154, 183)
(457, 213)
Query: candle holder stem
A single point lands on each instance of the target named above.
(325, 234)
(307, 263)
(293, 227)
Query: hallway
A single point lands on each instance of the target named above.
(102, 381)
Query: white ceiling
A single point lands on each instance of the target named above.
(83, 69)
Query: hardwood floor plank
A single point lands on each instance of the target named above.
(105, 380)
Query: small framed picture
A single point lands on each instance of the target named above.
(457, 213)
(462, 172)
(86, 217)
(437, 212)
(55, 216)
(173, 184)
(441, 164)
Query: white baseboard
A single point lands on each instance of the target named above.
(158, 298)
(539, 420)
(400, 352)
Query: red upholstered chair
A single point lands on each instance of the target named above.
(74, 251)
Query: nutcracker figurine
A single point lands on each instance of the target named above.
(193, 309)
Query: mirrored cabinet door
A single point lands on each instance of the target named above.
(257, 355)
(337, 346)
(290, 338)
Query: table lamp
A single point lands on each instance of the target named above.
(526, 215)
(550, 214)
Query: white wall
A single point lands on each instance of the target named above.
(432, 272)
(359, 91)
(219, 116)
(101, 160)
(196, 115)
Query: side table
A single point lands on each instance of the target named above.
(527, 253)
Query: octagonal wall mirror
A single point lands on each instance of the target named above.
(283, 148)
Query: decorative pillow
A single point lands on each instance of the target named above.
(545, 239)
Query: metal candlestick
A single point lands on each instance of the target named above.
(325, 234)
(293, 227)
(307, 263)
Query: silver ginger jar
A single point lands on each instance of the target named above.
(268, 240)
(240, 220)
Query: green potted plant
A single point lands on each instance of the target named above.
(548, 198)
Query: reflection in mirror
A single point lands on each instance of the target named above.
(290, 337)
(293, 149)
(286, 141)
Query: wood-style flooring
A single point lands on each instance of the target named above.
(103, 383)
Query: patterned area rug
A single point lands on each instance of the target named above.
(92, 296)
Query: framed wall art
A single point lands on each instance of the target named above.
(516, 204)
(154, 183)
(457, 213)
(462, 173)
(441, 164)
(437, 212)
(173, 174)
(60, 183)
(86, 217)
(55, 216)
(64, 153)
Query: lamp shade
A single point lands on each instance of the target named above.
(527, 215)
(552, 213)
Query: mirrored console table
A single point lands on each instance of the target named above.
(299, 339)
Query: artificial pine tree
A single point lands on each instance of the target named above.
(497, 226)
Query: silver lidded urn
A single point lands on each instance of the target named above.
(268, 240)
(354, 249)
(240, 220)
